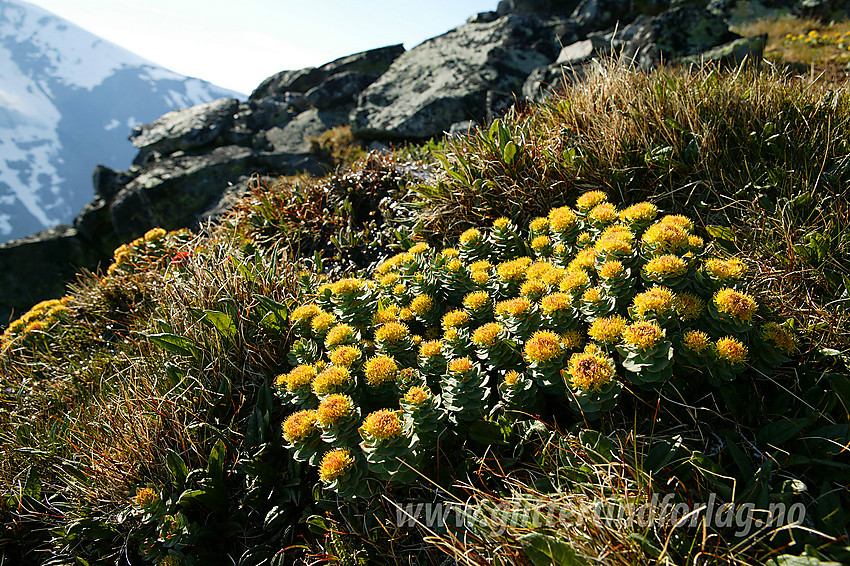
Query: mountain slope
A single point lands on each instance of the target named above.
(68, 101)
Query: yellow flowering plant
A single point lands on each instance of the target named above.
(340, 470)
(442, 339)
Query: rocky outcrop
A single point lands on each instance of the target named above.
(191, 161)
(448, 78)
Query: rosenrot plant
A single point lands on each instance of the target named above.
(589, 302)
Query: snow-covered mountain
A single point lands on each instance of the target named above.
(68, 101)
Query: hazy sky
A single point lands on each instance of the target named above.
(237, 43)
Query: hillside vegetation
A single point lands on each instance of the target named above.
(637, 290)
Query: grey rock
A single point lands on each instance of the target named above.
(732, 54)
(108, 182)
(300, 80)
(189, 128)
(539, 7)
(373, 61)
(340, 89)
(447, 79)
(460, 129)
(295, 136)
(36, 267)
(576, 53)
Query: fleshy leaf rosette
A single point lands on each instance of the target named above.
(473, 246)
(519, 392)
(392, 453)
(353, 301)
(465, 391)
(518, 316)
(667, 270)
(592, 383)
(294, 388)
(505, 240)
(494, 348)
(729, 356)
(423, 415)
(647, 355)
(302, 436)
(338, 419)
(544, 355)
(342, 471)
(558, 313)
(717, 273)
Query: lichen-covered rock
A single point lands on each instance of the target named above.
(295, 136)
(173, 193)
(749, 49)
(339, 90)
(371, 62)
(446, 79)
(185, 129)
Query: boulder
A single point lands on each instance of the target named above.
(447, 79)
(371, 62)
(190, 128)
(539, 7)
(36, 268)
(174, 192)
(342, 89)
(295, 136)
(732, 54)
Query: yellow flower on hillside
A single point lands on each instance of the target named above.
(335, 463)
(345, 356)
(384, 424)
(607, 330)
(487, 334)
(556, 302)
(299, 426)
(333, 408)
(590, 370)
(590, 199)
(471, 237)
(666, 266)
(476, 301)
(561, 219)
(392, 332)
(422, 304)
(696, 341)
(513, 307)
(460, 365)
(455, 319)
(543, 346)
(739, 305)
(380, 369)
(339, 334)
(643, 335)
(657, 300)
(332, 378)
(731, 350)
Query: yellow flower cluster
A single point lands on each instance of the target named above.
(658, 300)
(349, 286)
(304, 313)
(380, 369)
(511, 378)
(334, 464)
(340, 334)
(476, 301)
(573, 281)
(543, 346)
(154, 235)
(590, 199)
(556, 302)
(331, 379)
(322, 322)
(667, 237)
(590, 370)
(643, 335)
(616, 239)
(725, 269)
(539, 224)
(604, 213)
(513, 270)
(540, 243)
(640, 213)
(487, 334)
(607, 330)
(333, 408)
(513, 307)
(422, 304)
(731, 350)
(384, 424)
(345, 356)
(460, 365)
(146, 497)
(611, 269)
(430, 349)
(696, 341)
(455, 319)
(299, 378)
(666, 266)
(392, 332)
(782, 339)
(298, 426)
(417, 395)
(561, 219)
(389, 313)
(739, 305)
(471, 237)
(689, 306)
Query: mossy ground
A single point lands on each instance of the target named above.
(161, 372)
